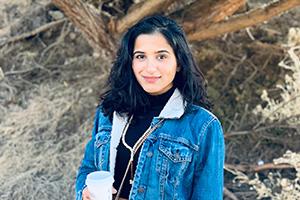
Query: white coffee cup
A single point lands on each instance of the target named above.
(99, 184)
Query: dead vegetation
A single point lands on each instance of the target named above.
(50, 79)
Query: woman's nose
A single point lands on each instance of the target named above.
(151, 65)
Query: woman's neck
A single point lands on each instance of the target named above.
(162, 99)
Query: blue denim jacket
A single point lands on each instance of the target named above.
(182, 159)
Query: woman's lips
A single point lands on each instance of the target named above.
(150, 79)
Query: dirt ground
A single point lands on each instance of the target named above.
(50, 85)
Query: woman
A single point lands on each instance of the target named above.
(155, 83)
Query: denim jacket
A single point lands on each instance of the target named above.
(182, 159)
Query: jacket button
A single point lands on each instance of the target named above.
(141, 190)
(149, 154)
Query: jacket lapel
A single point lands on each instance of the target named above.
(118, 125)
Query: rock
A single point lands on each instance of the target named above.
(56, 15)
(72, 36)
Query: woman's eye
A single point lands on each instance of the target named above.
(162, 57)
(140, 57)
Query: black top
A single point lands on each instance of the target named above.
(140, 123)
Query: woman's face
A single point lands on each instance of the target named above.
(154, 63)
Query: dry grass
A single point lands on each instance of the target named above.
(285, 109)
(275, 186)
(48, 93)
(40, 158)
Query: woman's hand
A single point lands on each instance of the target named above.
(114, 191)
(86, 193)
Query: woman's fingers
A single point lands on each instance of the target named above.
(85, 194)
(114, 191)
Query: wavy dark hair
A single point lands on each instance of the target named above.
(124, 94)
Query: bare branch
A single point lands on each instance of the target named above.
(139, 11)
(245, 20)
(211, 12)
(89, 22)
(34, 32)
(229, 194)
(258, 168)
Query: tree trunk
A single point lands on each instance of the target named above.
(241, 21)
(205, 20)
(87, 19)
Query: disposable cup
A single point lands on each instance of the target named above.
(99, 184)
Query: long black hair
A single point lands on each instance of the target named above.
(124, 94)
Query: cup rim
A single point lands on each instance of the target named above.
(107, 176)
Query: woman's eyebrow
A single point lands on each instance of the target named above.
(159, 51)
(163, 51)
(138, 52)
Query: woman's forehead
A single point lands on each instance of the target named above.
(151, 42)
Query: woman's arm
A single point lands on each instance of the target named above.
(208, 177)
(87, 164)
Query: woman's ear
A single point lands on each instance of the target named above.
(178, 68)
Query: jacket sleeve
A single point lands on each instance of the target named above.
(87, 164)
(208, 177)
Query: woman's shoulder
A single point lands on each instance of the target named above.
(101, 120)
(201, 112)
(202, 118)
(204, 122)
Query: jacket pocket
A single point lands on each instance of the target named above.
(101, 147)
(173, 157)
(173, 160)
(175, 151)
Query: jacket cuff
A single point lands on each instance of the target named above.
(79, 193)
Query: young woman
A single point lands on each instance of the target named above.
(153, 130)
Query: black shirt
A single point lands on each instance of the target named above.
(140, 123)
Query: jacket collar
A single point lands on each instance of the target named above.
(174, 107)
